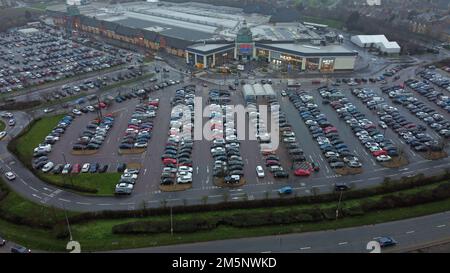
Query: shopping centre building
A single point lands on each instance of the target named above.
(209, 37)
(288, 55)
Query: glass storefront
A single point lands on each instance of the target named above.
(312, 64)
(327, 65)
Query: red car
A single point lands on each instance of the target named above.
(76, 168)
(380, 152)
(329, 130)
(301, 172)
(272, 163)
(169, 161)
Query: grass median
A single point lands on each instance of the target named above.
(102, 184)
(2, 125)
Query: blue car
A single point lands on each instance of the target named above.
(386, 241)
(285, 190)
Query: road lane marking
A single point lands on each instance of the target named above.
(104, 204)
(440, 226)
(410, 232)
(305, 248)
(81, 203)
(64, 200)
(35, 195)
(34, 189)
(342, 243)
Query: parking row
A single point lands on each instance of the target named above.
(370, 137)
(95, 133)
(323, 132)
(413, 134)
(423, 88)
(225, 146)
(177, 157)
(268, 150)
(140, 126)
(436, 78)
(41, 152)
(428, 115)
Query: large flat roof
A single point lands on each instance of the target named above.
(307, 50)
(209, 48)
(192, 21)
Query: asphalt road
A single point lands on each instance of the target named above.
(410, 234)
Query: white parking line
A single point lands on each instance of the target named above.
(342, 243)
(305, 248)
(410, 232)
(64, 200)
(440, 226)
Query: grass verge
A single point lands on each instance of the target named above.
(100, 184)
(2, 125)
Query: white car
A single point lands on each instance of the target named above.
(76, 112)
(2, 134)
(140, 145)
(125, 188)
(85, 167)
(289, 140)
(48, 110)
(126, 176)
(382, 124)
(330, 154)
(90, 108)
(185, 169)
(383, 158)
(184, 179)
(48, 167)
(260, 171)
(217, 150)
(184, 174)
(10, 176)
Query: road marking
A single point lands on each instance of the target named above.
(104, 204)
(34, 189)
(440, 226)
(342, 243)
(81, 203)
(305, 248)
(410, 232)
(65, 200)
(268, 251)
(36, 196)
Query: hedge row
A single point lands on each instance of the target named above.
(388, 186)
(255, 219)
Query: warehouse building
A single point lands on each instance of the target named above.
(379, 42)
